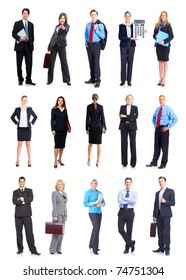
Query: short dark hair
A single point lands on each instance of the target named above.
(22, 178)
(128, 178)
(26, 9)
(161, 177)
(24, 96)
(93, 11)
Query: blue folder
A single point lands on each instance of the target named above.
(162, 36)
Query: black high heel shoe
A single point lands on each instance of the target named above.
(29, 163)
(61, 163)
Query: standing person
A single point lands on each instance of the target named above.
(127, 199)
(163, 119)
(94, 32)
(128, 126)
(163, 45)
(58, 45)
(127, 49)
(23, 33)
(59, 214)
(22, 198)
(94, 200)
(164, 199)
(95, 125)
(59, 127)
(23, 117)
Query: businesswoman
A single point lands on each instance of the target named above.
(23, 117)
(162, 45)
(59, 214)
(128, 126)
(59, 126)
(127, 49)
(58, 45)
(94, 200)
(95, 125)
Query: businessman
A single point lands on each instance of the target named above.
(22, 198)
(163, 119)
(94, 32)
(127, 199)
(164, 199)
(23, 33)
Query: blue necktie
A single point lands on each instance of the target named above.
(127, 195)
(26, 31)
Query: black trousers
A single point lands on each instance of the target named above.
(27, 54)
(127, 57)
(64, 65)
(93, 52)
(161, 142)
(124, 147)
(126, 216)
(163, 225)
(27, 223)
(96, 223)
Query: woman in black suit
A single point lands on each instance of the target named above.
(127, 49)
(163, 45)
(95, 125)
(128, 126)
(59, 126)
(58, 45)
(23, 117)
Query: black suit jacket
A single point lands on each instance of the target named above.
(18, 26)
(165, 209)
(59, 119)
(59, 38)
(23, 209)
(123, 36)
(95, 117)
(17, 114)
(166, 29)
(131, 119)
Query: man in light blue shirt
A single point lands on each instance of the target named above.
(163, 119)
(94, 32)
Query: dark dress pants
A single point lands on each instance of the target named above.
(64, 65)
(96, 223)
(93, 52)
(27, 54)
(127, 57)
(126, 216)
(163, 224)
(27, 223)
(161, 141)
(124, 147)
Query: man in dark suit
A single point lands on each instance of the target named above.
(23, 33)
(22, 198)
(164, 199)
(128, 126)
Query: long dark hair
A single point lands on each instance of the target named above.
(65, 16)
(64, 103)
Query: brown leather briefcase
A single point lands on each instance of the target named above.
(153, 230)
(54, 228)
(46, 62)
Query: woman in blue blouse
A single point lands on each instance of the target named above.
(94, 200)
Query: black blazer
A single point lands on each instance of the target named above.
(165, 210)
(18, 26)
(166, 29)
(95, 117)
(130, 119)
(59, 119)
(17, 114)
(123, 36)
(23, 210)
(59, 38)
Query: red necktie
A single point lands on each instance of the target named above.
(159, 117)
(91, 33)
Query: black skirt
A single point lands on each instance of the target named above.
(60, 139)
(23, 134)
(162, 53)
(95, 135)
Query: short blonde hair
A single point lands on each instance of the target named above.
(61, 181)
(93, 181)
(129, 95)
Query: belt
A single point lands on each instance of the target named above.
(127, 209)
(93, 43)
(162, 125)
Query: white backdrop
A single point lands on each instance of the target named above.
(41, 177)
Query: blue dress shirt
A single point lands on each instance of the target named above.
(168, 117)
(130, 201)
(98, 34)
(91, 196)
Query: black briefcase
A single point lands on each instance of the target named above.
(153, 230)
(46, 62)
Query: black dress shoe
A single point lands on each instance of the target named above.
(122, 83)
(49, 83)
(159, 250)
(151, 165)
(124, 165)
(97, 84)
(52, 253)
(20, 83)
(90, 81)
(69, 83)
(95, 252)
(129, 84)
(161, 166)
(30, 83)
(59, 253)
(132, 246)
(126, 251)
(167, 253)
(19, 252)
(35, 253)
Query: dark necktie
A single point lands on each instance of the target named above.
(26, 31)
(91, 33)
(127, 195)
(159, 117)
(22, 191)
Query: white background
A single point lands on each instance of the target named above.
(41, 177)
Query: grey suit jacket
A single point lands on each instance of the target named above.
(59, 204)
(59, 37)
